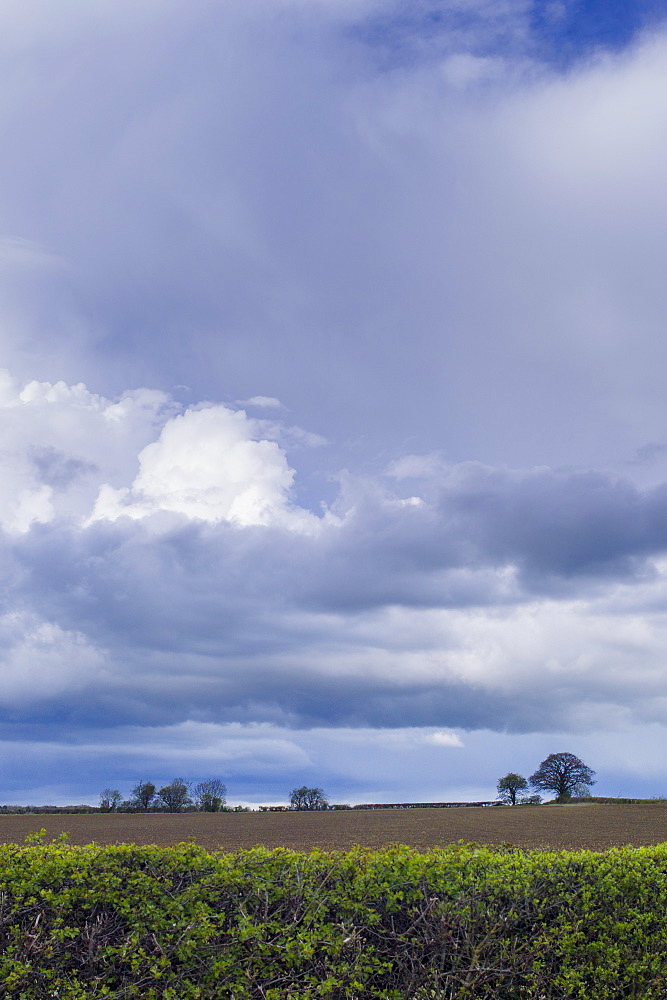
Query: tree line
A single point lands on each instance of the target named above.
(206, 796)
(561, 773)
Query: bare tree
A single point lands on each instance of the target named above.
(143, 794)
(308, 798)
(110, 798)
(211, 795)
(562, 773)
(174, 796)
(298, 797)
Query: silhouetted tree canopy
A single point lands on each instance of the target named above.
(510, 785)
(143, 794)
(562, 773)
(308, 798)
(174, 796)
(210, 795)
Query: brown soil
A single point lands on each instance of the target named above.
(592, 826)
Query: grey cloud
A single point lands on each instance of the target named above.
(385, 619)
(651, 452)
(570, 526)
(448, 252)
(559, 529)
(561, 524)
(56, 468)
(251, 195)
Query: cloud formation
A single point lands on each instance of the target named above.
(208, 465)
(474, 597)
(255, 207)
(432, 234)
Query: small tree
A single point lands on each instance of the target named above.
(308, 798)
(562, 773)
(510, 786)
(317, 799)
(174, 796)
(143, 794)
(211, 795)
(110, 799)
(297, 797)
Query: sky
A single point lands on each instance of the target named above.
(333, 423)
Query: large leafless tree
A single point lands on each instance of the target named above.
(564, 774)
(308, 798)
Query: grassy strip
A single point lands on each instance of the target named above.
(464, 922)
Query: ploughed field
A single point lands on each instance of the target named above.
(594, 826)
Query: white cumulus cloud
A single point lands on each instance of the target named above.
(209, 464)
(444, 739)
(67, 453)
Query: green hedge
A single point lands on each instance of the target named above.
(463, 922)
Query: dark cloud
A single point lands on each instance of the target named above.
(398, 613)
(56, 468)
(403, 223)
(568, 524)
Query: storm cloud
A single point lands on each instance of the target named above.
(332, 409)
(200, 589)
